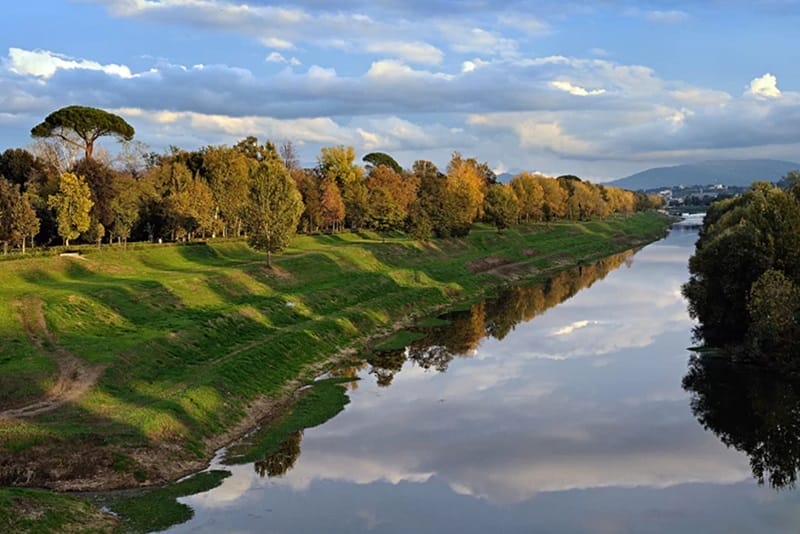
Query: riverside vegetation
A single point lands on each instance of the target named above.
(145, 359)
(194, 338)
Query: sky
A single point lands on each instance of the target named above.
(601, 89)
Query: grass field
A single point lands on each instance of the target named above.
(189, 337)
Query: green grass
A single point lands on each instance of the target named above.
(323, 401)
(36, 511)
(190, 335)
(157, 509)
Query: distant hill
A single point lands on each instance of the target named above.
(728, 172)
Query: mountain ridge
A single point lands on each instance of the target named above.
(728, 172)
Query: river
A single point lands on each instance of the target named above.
(568, 417)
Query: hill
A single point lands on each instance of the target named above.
(728, 172)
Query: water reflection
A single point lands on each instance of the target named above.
(753, 410)
(282, 460)
(574, 422)
(494, 318)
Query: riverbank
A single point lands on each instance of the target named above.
(192, 345)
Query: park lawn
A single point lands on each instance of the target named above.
(191, 336)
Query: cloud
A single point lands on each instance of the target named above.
(277, 57)
(44, 64)
(575, 89)
(765, 86)
(414, 52)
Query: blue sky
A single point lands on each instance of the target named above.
(600, 89)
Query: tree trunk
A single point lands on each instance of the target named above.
(5, 248)
(66, 242)
(269, 259)
(23, 244)
(89, 149)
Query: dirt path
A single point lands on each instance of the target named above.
(75, 377)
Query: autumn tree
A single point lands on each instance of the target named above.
(467, 179)
(530, 196)
(332, 211)
(554, 202)
(81, 126)
(72, 205)
(338, 163)
(390, 195)
(274, 206)
(24, 222)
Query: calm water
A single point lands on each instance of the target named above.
(572, 420)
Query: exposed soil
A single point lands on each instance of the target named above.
(504, 268)
(75, 377)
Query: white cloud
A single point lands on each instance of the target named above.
(44, 64)
(765, 86)
(472, 65)
(414, 52)
(277, 57)
(466, 40)
(576, 90)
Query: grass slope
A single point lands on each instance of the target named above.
(191, 336)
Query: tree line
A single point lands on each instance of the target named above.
(50, 194)
(745, 275)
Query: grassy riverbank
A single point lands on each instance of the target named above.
(192, 344)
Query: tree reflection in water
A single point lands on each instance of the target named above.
(753, 410)
(283, 459)
(492, 318)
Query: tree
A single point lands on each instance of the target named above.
(467, 179)
(19, 166)
(773, 305)
(376, 159)
(741, 239)
(338, 163)
(530, 196)
(501, 206)
(72, 205)
(332, 210)
(9, 193)
(81, 126)
(227, 171)
(102, 181)
(24, 222)
(390, 195)
(274, 207)
(125, 208)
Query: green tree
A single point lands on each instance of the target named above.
(72, 205)
(741, 239)
(274, 207)
(9, 193)
(501, 206)
(773, 306)
(376, 159)
(81, 126)
(227, 171)
(125, 208)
